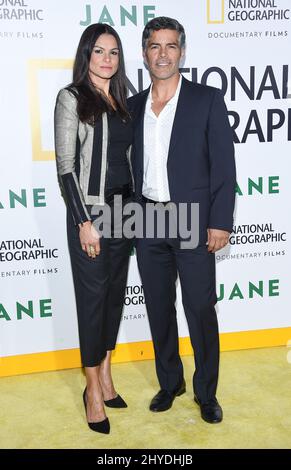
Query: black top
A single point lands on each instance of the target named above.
(120, 135)
(120, 138)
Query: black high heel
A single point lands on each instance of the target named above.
(100, 426)
(116, 402)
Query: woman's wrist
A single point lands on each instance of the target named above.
(85, 224)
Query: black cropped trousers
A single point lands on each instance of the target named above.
(99, 289)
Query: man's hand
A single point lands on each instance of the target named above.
(217, 239)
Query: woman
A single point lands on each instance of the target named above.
(93, 134)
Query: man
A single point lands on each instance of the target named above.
(183, 153)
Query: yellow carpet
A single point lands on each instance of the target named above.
(45, 410)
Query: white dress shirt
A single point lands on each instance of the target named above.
(157, 135)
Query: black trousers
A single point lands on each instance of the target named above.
(99, 289)
(160, 260)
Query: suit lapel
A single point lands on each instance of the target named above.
(180, 115)
(177, 129)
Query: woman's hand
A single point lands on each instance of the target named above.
(89, 239)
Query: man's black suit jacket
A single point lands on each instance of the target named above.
(200, 165)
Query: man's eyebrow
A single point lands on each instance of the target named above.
(159, 44)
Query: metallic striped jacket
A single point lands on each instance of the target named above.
(74, 152)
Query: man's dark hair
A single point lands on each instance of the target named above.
(163, 22)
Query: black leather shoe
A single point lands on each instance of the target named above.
(211, 411)
(99, 426)
(163, 400)
(116, 402)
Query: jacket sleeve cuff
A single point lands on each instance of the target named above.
(75, 199)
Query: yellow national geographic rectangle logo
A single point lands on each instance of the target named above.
(215, 11)
(34, 65)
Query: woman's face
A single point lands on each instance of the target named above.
(104, 59)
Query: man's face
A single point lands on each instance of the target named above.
(163, 53)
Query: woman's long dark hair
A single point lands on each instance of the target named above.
(91, 104)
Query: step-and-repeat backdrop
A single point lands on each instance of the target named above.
(240, 46)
